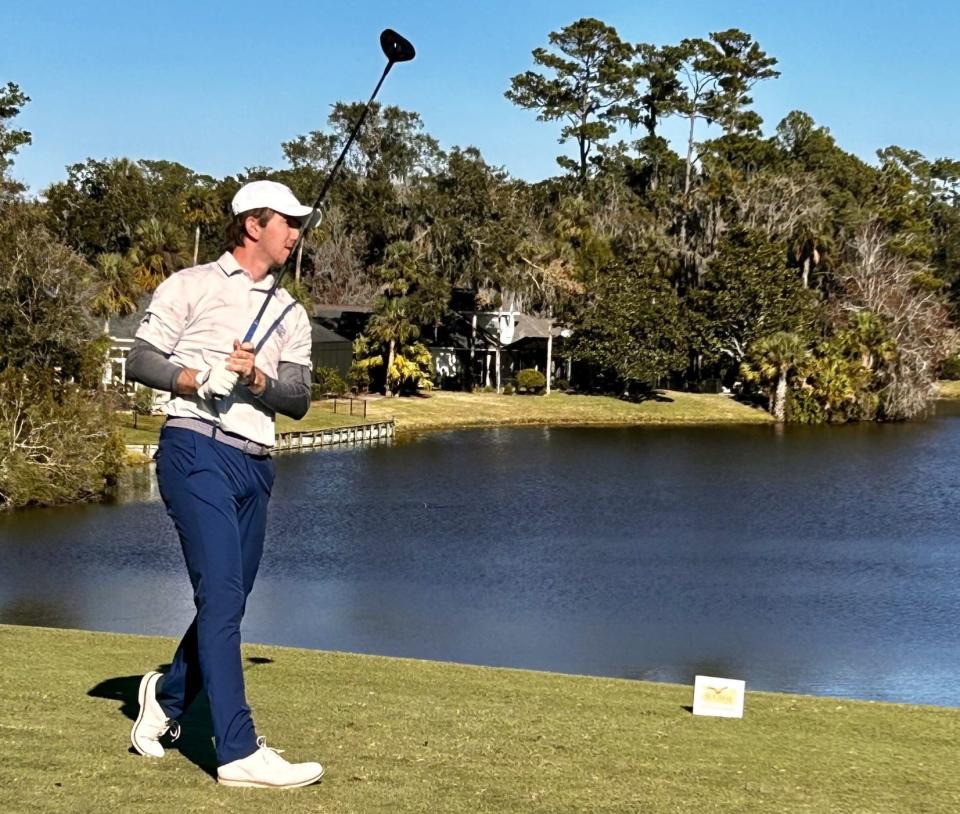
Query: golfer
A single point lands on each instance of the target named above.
(214, 466)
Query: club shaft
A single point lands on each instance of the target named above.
(248, 337)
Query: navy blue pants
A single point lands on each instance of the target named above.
(217, 497)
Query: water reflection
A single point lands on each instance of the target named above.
(816, 560)
(28, 610)
(138, 484)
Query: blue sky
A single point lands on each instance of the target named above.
(218, 86)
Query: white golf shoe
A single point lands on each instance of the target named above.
(152, 723)
(265, 769)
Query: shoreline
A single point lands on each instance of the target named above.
(448, 411)
(442, 411)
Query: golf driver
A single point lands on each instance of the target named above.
(395, 49)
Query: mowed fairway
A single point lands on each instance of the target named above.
(407, 736)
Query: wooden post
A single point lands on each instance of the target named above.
(549, 353)
(473, 347)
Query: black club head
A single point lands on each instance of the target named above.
(396, 48)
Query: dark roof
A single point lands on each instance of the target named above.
(334, 311)
(528, 327)
(126, 327)
(447, 339)
(321, 335)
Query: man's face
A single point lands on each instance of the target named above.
(277, 238)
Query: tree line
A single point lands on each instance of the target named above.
(777, 265)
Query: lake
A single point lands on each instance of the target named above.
(819, 560)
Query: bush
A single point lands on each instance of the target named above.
(531, 381)
(143, 401)
(561, 385)
(359, 378)
(950, 369)
(140, 403)
(328, 380)
(411, 371)
(508, 390)
(59, 443)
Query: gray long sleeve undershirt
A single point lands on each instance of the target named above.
(288, 394)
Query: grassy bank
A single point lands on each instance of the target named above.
(948, 389)
(446, 410)
(404, 736)
(320, 417)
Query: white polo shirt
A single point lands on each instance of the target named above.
(196, 314)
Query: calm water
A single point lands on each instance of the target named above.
(820, 560)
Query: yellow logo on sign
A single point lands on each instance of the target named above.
(720, 696)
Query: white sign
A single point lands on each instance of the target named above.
(722, 697)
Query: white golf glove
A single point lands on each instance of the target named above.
(216, 382)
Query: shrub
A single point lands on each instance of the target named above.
(951, 368)
(358, 377)
(531, 381)
(143, 401)
(412, 370)
(59, 443)
(561, 385)
(329, 380)
(508, 390)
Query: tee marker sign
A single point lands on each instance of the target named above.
(720, 697)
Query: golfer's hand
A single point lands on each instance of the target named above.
(218, 382)
(243, 362)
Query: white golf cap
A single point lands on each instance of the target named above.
(270, 194)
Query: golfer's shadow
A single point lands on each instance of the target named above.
(196, 733)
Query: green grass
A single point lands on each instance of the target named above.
(406, 736)
(147, 430)
(948, 389)
(320, 417)
(446, 410)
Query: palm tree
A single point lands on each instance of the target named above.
(772, 359)
(115, 288)
(410, 297)
(200, 208)
(838, 382)
(157, 252)
(869, 339)
(393, 326)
